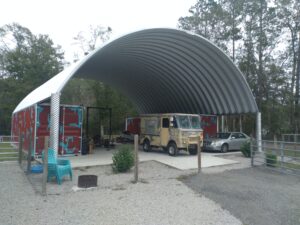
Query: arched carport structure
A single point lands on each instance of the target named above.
(161, 71)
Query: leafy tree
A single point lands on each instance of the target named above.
(289, 15)
(262, 38)
(26, 61)
(216, 20)
(89, 41)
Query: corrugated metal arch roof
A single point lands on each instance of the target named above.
(162, 71)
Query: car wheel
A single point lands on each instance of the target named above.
(224, 148)
(172, 149)
(146, 146)
(193, 151)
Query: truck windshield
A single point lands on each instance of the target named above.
(188, 122)
(195, 121)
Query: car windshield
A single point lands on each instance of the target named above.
(223, 135)
(188, 122)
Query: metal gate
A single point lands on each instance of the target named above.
(276, 155)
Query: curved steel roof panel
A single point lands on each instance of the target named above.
(167, 71)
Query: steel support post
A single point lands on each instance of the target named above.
(54, 121)
(258, 131)
(222, 123)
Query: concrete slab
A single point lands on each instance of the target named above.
(183, 161)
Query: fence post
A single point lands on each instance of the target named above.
(20, 148)
(251, 152)
(199, 155)
(281, 155)
(45, 166)
(136, 158)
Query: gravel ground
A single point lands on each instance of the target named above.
(254, 195)
(160, 198)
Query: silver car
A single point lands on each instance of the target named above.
(225, 141)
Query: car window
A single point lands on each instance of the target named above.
(241, 135)
(223, 135)
(235, 135)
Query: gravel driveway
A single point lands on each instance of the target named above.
(254, 195)
(159, 199)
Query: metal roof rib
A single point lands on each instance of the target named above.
(161, 71)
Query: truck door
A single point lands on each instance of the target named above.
(164, 131)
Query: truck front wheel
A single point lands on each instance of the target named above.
(172, 149)
(193, 151)
(146, 146)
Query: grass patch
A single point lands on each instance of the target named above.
(7, 150)
(5, 145)
(8, 153)
(292, 153)
(290, 165)
(7, 159)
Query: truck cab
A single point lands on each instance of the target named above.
(171, 132)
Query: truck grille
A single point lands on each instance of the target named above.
(193, 139)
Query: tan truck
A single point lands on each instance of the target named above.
(172, 132)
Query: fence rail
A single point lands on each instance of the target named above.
(276, 155)
(8, 148)
(291, 137)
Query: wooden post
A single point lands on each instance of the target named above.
(199, 155)
(20, 148)
(136, 158)
(45, 166)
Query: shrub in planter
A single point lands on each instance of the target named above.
(123, 159)
(245, 149)
(271, 159)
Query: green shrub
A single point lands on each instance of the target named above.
(123, 159)
(245, 149)
(271, 159)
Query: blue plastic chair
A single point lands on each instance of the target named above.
(58, 168)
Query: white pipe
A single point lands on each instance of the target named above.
(258, 131)
(222, 123)
(54, 120)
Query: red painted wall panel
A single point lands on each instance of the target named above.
(23, 122)
(209, 126)
(70, 128)
(133, 125)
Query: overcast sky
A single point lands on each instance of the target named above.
(63, 19)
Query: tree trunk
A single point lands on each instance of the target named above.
(297, 87)
(292, 113)
(260, 56)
